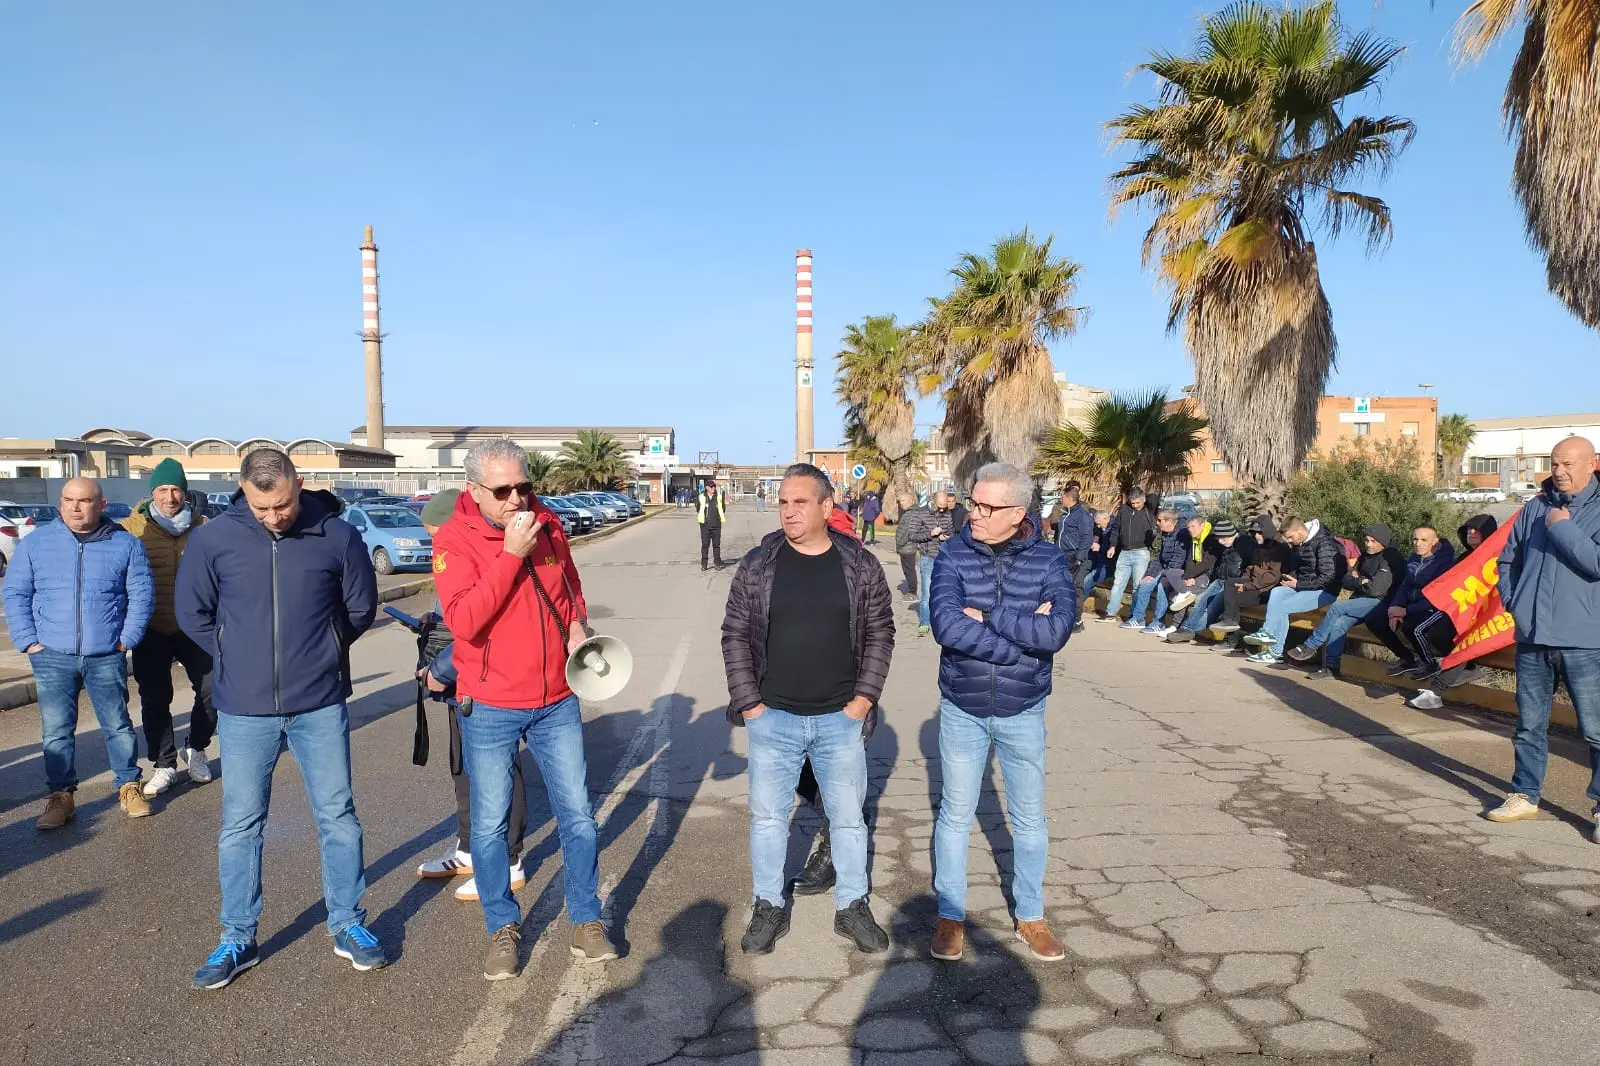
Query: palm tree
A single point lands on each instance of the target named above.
(594, 461)
(542, 472)
(878, 477)
(873, 381)
(1552, 114)
(984, 345)
(1247, 139)
(1128, 440)
(1456, 433)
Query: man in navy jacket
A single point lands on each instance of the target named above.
(1003, 604)
(275, 590)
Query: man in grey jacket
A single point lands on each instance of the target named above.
(1550, 581)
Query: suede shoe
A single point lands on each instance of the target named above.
(768, 925)
(1516, 808)
(949, 940)
(356, 943)
(224, 964)
(501, 962)
(130, 797)
(1303, 654)
(856, 923)
(59, 809)
(590, 943)
(1041, 941)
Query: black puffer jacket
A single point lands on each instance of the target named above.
(1319, 563)
(1377, 575)
(1234, 558)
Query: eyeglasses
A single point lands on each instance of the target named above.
(987, 510)
(503, 492)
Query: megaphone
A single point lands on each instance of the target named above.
(599, 668)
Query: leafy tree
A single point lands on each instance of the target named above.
(542, 472)
(1247, 141)
(873, 380)
(1456, 434)
(594, 461)
(1128, 440)
(984, 347)
(1360, 484)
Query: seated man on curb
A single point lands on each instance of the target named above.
(1202, 550)
(1167, 558)
(1235, 554)
(1428, 632)
(1371, 586)
(1319, 568)
(1270, 559)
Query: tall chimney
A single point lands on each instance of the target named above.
(805, 421)
(372, 340)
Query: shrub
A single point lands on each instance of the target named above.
(1359, 484)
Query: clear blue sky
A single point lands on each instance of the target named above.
(588, 211)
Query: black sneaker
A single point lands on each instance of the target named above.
(1321, 673)
(1226, 625)
(1180, 636)
(1302, 654)
(856, 923)
(1423, 671)
(818, 875)
(768, 925)
(1401, 666)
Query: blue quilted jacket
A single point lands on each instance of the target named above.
(1001, 666)
(79, 598)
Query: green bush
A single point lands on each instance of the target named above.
(1360, 484)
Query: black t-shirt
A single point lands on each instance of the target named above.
(811, 667)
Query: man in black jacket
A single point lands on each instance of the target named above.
(1133, 532)
(1417, 632)
(1319, 569)
(1075, 534)
(1372, 584)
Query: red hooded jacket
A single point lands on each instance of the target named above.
(508, 648)
(839, 519)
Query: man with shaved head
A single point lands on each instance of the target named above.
(1550, 581)
(78, 597)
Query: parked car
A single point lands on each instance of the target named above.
(634, 506)
(358, 495)
(394, 535)
(118, 511)
(594, 513)
(1524, 490)
(574, 520)
(1480, 495)
(611, 510)
(17, 520)
(221, 499)
(424, 497)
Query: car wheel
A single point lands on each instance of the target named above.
(381, 562)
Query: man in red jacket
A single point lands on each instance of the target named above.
(509, 591)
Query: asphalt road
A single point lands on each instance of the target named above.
(1241, 863)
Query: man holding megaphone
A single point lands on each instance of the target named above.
(510, 593)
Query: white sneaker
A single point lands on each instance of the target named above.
(160, 781)
(199, 765)
(468, 892)
(1182, 600)
(1516, 808)
(1162, 631)
(452, 863)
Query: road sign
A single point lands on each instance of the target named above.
(858, 471)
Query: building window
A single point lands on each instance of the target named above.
(1485, 465)
(213, 447)
(1410, 429)
(256, 446)
(1362, 428)
(166, 447)
(1541, 464)
(1218, 466)
(310, 448)
(116, 466)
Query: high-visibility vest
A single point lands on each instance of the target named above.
(722, 508)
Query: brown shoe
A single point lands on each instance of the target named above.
(501, 963)
(949, 939)
(59, 809)
(590, 943)
(131, 798)
(1041, 941)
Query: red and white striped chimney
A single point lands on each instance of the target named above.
(372, 340)
(805, 422)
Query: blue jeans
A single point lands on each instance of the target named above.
(1092, 576)
(1341, 617)
(779, 744)
(1141, 601)
(964, 743)
(1286, 601)
(1206, 609)
(320, 743)
(1538, 667)
(761, 503)
(924, 584)
(1130, 565)
(59, 678)
(554, 735)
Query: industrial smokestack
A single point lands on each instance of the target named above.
(372, 341)
(805, 422)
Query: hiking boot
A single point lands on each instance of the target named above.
(1401, 666)
(452, 863)
(1303, 654)
(224, 964)
(1041, 941)
(501, 962)
(768, 925)
(1516, 808)
(949, 940)
(856, 923)
(160, 780)
(356, 943)
(590, 943)
(818, 875)
(131, 799)
(59, 809)
(1180, 636)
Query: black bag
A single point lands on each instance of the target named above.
(433, 637)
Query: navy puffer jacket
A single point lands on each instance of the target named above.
(1001, 666)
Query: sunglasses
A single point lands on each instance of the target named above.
(503, 492)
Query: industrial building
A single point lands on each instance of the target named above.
(1516, 451)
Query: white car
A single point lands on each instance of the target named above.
(1481, 496)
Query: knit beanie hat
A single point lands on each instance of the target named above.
(169, 472)
(1224, 527)
(437, 511)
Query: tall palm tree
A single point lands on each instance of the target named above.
(873, 380)
(594, 461)
(984, 345)
(1127, 440)
(542, 472)
(1456, 434)
(1247, 140)
(1552, 114)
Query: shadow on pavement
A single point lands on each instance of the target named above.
(35, 918)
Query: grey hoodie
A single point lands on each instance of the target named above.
(1550, 575)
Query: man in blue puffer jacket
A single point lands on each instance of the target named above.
(78, 597)
(1003, 603)
(275, 590)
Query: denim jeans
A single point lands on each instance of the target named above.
(1341, 617)
(320, 743)
(1286, 601)
(964, 743)
(1130, 565)
(1093, 574)
(924, 586)
(1141, 601)
(554, 735)
(59, 678)
(1538, 667)
(779, 743)
(1206, 609)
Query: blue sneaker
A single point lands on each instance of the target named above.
(226, 963)
(1131, 624)
(355, 943)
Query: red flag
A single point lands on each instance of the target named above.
(1469, 593)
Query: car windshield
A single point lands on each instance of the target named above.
(394, 518)
(41, 513)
